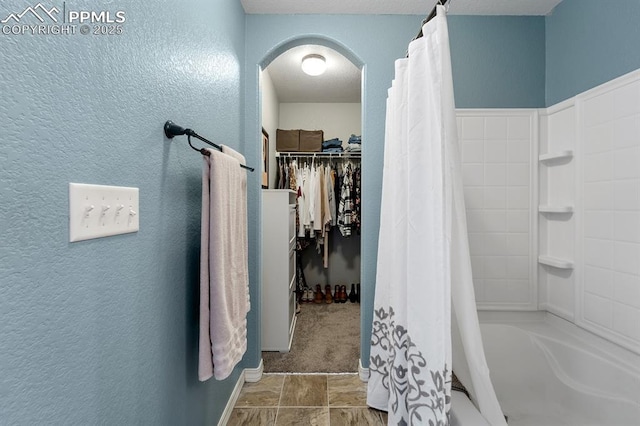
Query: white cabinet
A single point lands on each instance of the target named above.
(278, 269)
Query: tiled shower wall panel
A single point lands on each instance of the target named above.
(497, 148)
(609, 134)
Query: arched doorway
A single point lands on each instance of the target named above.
(290, 100)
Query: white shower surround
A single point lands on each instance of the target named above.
(500, 186)
(597, 185)
(603, 296)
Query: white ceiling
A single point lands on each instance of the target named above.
(399, 7)
(341, 81)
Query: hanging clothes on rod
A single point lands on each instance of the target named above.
(328, 195)
(349, 201)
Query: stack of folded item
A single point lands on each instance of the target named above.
(332, 145)
(355, 144)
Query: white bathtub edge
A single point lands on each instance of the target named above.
(599, 345)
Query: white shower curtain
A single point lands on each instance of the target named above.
(423, 256)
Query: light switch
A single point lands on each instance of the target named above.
(100, 211)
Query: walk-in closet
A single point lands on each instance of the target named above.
(311, 208)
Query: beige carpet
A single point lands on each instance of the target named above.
(326, 340)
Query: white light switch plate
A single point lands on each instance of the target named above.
(100, 211)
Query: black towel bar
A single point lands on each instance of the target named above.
(171, 129)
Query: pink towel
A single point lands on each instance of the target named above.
(224, 276)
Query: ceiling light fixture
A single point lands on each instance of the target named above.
(314, 64)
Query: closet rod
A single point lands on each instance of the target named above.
(345, 154)
(171, 129)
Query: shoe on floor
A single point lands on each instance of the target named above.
(352, 293)
(327, 294)
(319, 296)
(343, 294)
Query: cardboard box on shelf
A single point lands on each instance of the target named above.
(287, 140)
(311, 140)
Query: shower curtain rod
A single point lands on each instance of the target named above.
(430, 16)
(171, 129)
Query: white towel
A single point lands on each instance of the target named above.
(224, 276)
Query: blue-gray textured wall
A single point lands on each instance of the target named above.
(497, 61)
(487, 62)
(105, 331)
(589, 42)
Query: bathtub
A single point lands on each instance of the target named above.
(549, 372)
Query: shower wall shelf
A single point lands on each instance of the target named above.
(555, 209)
(555, 262)
(556, 155)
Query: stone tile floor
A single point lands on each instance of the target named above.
(291, 399)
